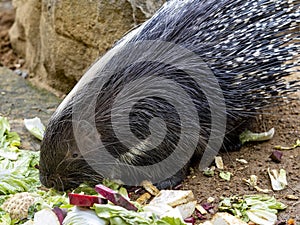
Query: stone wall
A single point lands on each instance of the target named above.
(61, 38)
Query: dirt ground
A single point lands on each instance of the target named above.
(285, 120)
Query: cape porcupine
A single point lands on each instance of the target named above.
(245, 46)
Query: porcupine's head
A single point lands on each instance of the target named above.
(61, 164)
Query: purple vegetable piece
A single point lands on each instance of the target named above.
(207, 206)
(85, 200)
(200, 216)
(115, 197)
(276, 156)
(190, 220)
(60, 213)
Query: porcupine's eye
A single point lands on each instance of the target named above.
(75, 155)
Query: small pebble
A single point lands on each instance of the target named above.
(21, 73)
(24, 75)
(260, 164)
(18, 65)
(18, 72)
(21, 61)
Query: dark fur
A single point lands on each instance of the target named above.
(227, 35)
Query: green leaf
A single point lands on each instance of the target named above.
(225, 175)
(35, 127)
(5, 219)
(261, 209)
(170, 221)
(18, 175)
(79, 216)
(248, 136)
(262, 217)
(4, 126)
(14, 139)
(119, 215)
(278, 180)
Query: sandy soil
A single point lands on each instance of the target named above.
(286, 121)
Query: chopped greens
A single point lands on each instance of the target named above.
(260, 209)
(278, 180)
(8, 140)
(17, 167)
(225, 175)
(297, 144)
(119, 215)
(80, 216)
(35, 127)
(248, 136)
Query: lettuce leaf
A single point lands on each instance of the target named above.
(8, 139)
(5, 219)
(17, 167)
(79, 216)
(121, 216)
(19, 175)
(35, 127)
(260, 209)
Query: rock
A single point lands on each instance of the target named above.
(60, 39)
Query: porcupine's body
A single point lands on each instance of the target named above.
(247, 45)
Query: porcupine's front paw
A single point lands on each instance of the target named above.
(231, 144)
(172, 181)
(236, 145)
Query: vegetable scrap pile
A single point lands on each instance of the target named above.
(24, 201)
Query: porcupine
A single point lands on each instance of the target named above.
(249, 47)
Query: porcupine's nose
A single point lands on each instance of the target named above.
(47, 180)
